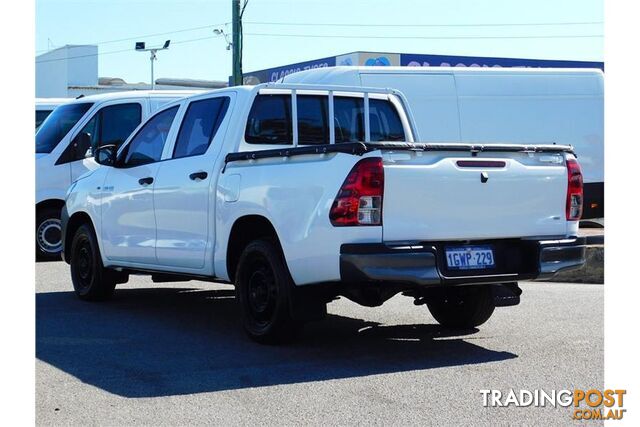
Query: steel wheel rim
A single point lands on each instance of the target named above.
(83, 263)
(261, 291)
(49, 235)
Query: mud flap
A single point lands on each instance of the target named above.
(506, 294)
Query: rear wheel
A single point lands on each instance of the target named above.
(48, 234)
(91, 281)
(463, 306)
(263, 287)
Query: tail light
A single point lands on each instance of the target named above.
(359, 200)
(574, 190)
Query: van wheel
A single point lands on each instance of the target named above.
(462, 307)
(91, 281)
(263, 287)
(48, 234)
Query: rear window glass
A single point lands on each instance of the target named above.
(348, 118)
(384, 122)
(269, 120)
(312, 120)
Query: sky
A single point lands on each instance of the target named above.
(275, 31)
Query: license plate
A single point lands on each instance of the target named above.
(470, 257)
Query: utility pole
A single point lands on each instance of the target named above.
(236, 17)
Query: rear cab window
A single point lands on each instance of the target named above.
(270, 120)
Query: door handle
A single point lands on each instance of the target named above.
(145, 181)
(198, 176)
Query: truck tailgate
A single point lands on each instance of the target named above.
(453, 195)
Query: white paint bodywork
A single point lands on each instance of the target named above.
(508, 105)
(53, 180)
(182, 226)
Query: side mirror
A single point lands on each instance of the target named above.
(82, 144)
(106, 155)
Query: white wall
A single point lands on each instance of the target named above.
(67, 66)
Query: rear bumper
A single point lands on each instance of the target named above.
(423, 264)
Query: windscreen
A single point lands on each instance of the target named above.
(58, 124)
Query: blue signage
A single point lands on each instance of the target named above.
(418, 60)
(273, 74)
(411, 60)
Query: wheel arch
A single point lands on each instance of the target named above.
(75, 221)
(246, 229)
(50, 203)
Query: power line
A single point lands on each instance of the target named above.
(334, 24)
(427, 37)
(120, 51)
(184, 30)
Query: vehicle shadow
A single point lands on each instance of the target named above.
(168, 341)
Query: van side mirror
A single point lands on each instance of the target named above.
(106, 155)
(82, 144)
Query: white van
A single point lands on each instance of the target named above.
(64, 145)
(489, 105)
(44, 107)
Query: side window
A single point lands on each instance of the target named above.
(199, 126)
(348, 119)
(110, 125)
(117, 122)
(384, 122)
(147, 145)
(269, 120)
(312, 120)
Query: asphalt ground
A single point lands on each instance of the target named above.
(173, 354)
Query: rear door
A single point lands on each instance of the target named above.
(185, 186)
(443, 195)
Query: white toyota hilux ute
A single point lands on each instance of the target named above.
(298, 194)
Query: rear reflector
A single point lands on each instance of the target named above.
(359, 200)
(575, 194)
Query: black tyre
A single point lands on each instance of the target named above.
(263, 287)
(462, 307)
(91, 281)
(48, 234)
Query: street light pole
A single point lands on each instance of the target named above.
(141, 47)
(153, 80)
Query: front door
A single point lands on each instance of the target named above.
(128, 221)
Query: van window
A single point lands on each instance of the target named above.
(147, 145)
(40, 116)
(312, 120)
(58, 124)
(269, 120)
(348, 117)
(109, 125)
(384, 121)
(199, 126)
(117, 122)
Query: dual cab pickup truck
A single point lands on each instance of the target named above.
(298, 194)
